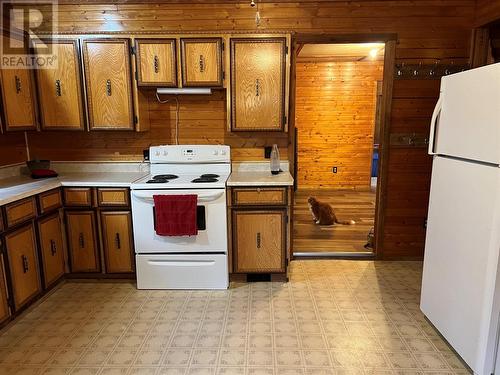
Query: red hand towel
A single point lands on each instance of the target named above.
(175, 215)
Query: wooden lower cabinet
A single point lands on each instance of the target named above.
(51, 248)
(117, 241)
(259, 240)
(4, 303)
(82, 241)
(23, 264)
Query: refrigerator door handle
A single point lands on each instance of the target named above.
(434, 120)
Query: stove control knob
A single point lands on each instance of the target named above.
(165, 153)
(216, 152)
(223, 152)
(157, 153)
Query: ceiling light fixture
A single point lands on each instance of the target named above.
(373, 53)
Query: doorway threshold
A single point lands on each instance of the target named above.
(334, 254)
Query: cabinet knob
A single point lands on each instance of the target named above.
(202, 64)
(118, 241)
(24, 259)
(156, 64)
(58, 87)
(81, 240)
(258, 240)
(53, 248)
(108, 87)
(18, 84)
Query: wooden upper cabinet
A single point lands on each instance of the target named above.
(51, 248)
(18, 95)
(60, 88)
(82, 241)
(108, 80)
(258, 84)
(23, 264)
(201, 62)
(156, 62)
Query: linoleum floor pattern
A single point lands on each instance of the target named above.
(333, 317)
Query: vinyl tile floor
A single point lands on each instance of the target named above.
(333, 317)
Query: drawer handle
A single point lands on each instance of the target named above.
(202, 64)
(258, 240)
(156, 64)
(81, 240)
(25, 263)
(118, 241)
(108, 87)
(53, 248)
(18, 84)
(257, 87)
(58, 87)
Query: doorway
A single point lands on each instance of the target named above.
(339, 118)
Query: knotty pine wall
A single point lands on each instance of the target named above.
(202, 120)
(427, 30)
(335, 119)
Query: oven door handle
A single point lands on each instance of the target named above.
(201, 198)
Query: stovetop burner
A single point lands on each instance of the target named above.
(209, 175)
(165, 177)
(157, 181)
(204, 179)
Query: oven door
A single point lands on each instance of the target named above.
(212, 223)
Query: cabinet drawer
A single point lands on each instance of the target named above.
(23, 264)
(113, 197)
(259, 196)
(20, 211)
(81, 197)
(50, 200)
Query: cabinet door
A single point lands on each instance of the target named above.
(258, 84)
(4, 305)
(156, 62)
(109, 90)
(117, 240)
(51, 248)
(82, 241)
(18, 96)
(201, 61)
(23, 264)
(60, 89)
(259, 240)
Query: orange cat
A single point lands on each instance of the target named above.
(323, 213)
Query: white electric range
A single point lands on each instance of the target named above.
(183, 262)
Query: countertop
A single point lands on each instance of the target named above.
(259, 178)
(19, 187)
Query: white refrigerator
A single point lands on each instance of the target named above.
(461, 275)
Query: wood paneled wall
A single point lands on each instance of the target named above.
(12, 148)
(335, 120)
(427, 30)
(202, 120)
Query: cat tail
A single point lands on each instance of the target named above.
(345, 222)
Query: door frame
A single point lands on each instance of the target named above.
(390, 41)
